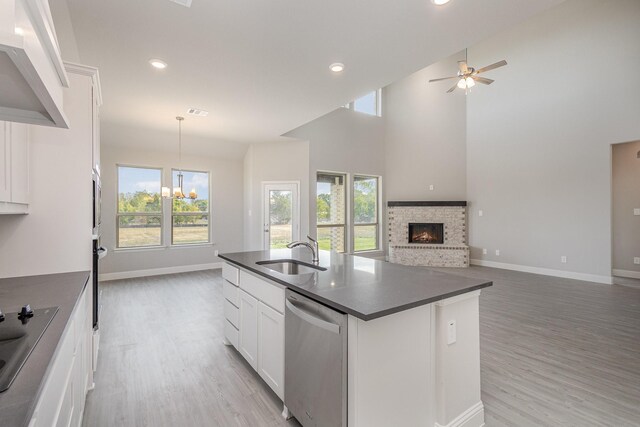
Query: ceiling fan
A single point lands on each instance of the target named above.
(468, 76)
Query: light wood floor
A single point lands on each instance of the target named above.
(554, 352)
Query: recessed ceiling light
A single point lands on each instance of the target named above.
(336, 67)
(19, 31)
(157, 63)
(439, 2)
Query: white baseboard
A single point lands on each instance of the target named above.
(157, 271)
(472, 417)
(607, 280)
(626, 273)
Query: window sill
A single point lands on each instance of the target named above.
(160, 248)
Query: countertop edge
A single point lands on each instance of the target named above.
(341, 308)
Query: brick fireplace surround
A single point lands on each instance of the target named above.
(453, 252)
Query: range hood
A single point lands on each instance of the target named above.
(32, 75)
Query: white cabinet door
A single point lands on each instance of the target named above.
(271, 348)
(19, 163)
(248, 342)
(5, 162)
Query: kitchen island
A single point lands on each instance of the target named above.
(413, 333)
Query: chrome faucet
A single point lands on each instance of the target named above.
(314, 247)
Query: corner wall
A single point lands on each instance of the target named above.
(538, 140)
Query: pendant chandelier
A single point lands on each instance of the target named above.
(178, 192)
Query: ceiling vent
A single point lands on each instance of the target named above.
(197, 112)
(185, 3)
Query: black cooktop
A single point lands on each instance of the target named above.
(18, 336)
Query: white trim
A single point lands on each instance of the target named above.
(86, 70)
(158, 271)
(627, 273)
(472, 417)
(607, 280)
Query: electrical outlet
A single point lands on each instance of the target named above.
(497, 252)
(636, 260)
(636, 211)
(451, 332)
(480, 213)
(215, 252)
(431, 187)
(563, 259)
(484, 251)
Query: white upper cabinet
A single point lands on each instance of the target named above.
(14, 168)
(30, 64)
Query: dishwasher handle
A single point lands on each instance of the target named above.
(314, 320)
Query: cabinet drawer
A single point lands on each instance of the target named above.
(230, 273)
(231, 333)
(269, 293)
(231, 313)
(230, 292)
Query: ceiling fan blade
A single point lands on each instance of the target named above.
(453, 88)
(443, 78)
(462, 65)
(491, 67)
(483, 80)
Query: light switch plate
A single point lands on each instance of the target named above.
(563, 259)
(451, 332)
(636, 260)
(484, 251)
(431, 187)
(480, 213)
(636, 211)
(498, 252)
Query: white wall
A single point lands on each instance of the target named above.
(425, 136)
(226, 208)
(55, 236)
(64, 30)
(278, 161)
(626, 198)
(343, 141)
(538, 140)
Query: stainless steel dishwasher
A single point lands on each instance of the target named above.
(315, 379)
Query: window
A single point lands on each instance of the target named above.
(139, 214)
(190, 217)
(331, 211)
(370, 103)
(365, 213)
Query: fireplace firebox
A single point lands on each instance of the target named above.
(426, 233)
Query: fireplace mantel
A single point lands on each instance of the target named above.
(403, 203)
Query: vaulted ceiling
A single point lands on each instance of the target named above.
(261, 68)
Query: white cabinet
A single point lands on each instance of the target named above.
(14, 168)
(62, 400)
(271, 348)
(254, 323)
(248, 342)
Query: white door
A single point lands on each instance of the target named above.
(271, 348)
(281, 214)
(248, 342)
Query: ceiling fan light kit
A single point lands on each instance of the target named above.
(468, 76)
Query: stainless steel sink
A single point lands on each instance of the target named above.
(290, 266)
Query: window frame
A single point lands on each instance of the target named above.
(207, 213)
(378, 113)
(377, 222)
(347, 209)
(160, 213)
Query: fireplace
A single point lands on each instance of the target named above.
(426, 233)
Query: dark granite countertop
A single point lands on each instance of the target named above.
(18, 402)
(363, 287)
